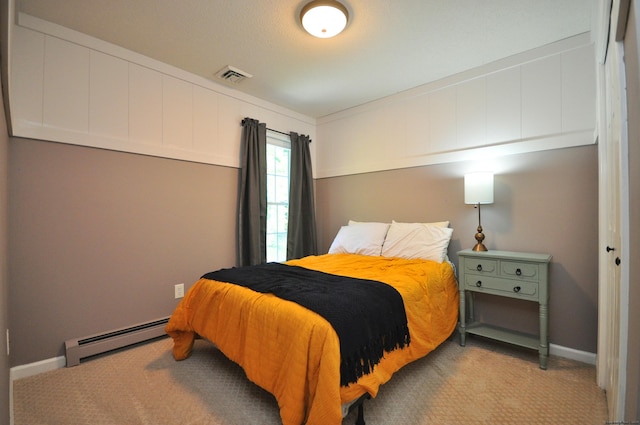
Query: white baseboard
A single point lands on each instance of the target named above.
(24, 371)
(573, 354)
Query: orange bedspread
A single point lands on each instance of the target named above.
(294, 353)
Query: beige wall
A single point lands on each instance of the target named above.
(544, 202)
(98, 239)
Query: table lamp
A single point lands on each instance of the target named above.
(478, 189)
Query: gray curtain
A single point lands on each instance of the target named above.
(301, 230)
(252, 199)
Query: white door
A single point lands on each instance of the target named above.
(612, 232)
(613, 293)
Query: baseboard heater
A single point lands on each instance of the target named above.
(82, 348)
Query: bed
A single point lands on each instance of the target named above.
(294, 352)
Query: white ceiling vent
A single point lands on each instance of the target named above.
(232, 75)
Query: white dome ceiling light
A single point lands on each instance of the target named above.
(324, 18)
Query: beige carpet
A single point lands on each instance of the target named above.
(482, 383)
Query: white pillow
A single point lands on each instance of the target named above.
(360, 238)
(417, 240)
(355, 223)
(435, 223)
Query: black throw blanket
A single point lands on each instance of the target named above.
(368, 316)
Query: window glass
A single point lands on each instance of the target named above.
(278, 158)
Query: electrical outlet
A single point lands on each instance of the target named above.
(179, 290)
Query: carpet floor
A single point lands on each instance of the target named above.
(482, 383)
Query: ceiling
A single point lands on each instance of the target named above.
(387, 47)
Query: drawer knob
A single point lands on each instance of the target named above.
(516, 289)
(479, 268)
(479, 283)
(518, 272)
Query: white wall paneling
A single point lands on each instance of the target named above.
(539, 100)
(578, 89)
(230, 111)
(177, 113)
(108, 96)
(382, 140)
(145, 105)
(27, 81)
(471, 114)
(504, 106)
(442, 110)
(542, 97)
(67, 87)
(350, 153)
(205, 120)
(417, 129)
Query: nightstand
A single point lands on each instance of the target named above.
(518, 275)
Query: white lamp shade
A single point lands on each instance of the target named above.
(324, 19)
(478, 188)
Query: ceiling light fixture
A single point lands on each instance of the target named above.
(324, 18)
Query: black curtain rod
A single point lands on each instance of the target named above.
(286, 134)
(275, 131)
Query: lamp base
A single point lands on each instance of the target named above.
(479, 247)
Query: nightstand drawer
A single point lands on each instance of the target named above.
(519, 270)
(505, 287)
(482, 266)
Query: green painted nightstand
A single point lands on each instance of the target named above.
(518, 275)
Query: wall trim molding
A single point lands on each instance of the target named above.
(36, 368)
(546, 143)
(573, 354)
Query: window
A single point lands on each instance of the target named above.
(278, 159)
